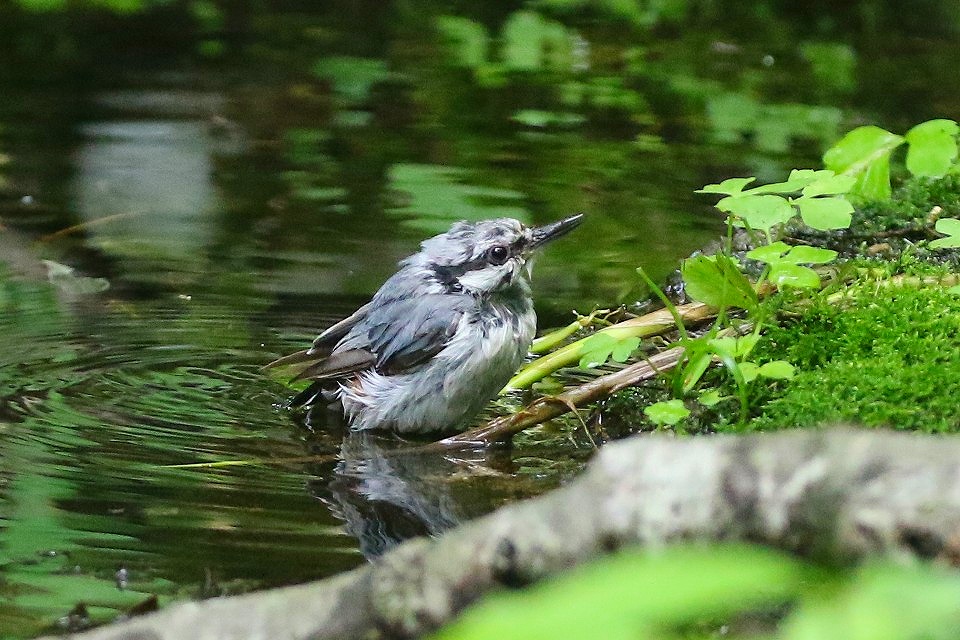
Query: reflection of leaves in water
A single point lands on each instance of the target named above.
(39, 581)
(67, 280)
(531, 42)
(351, 77)
(468, 40)
(88, 483)
(93, 413)
(29, 317)
(437, 197)
(4, 159)
(772, 126)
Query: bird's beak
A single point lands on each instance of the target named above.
(552, 231)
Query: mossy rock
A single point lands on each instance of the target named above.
(884, 357)
(911, 205)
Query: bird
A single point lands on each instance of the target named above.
(439, 338)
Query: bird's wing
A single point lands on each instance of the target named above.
(333, 334)
(338, 365)
(397, 335)
(322, 343)
(409, 332)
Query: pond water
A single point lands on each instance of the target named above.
(168, 229)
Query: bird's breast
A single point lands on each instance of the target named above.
(491, 342)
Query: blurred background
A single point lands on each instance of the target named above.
(189, 188)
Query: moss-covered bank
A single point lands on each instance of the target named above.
(879, 348)
(884, 356)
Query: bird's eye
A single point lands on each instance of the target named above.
(498, 255)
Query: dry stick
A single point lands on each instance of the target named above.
(89, 223)
(549, 407)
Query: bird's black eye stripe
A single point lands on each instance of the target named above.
(498, 255)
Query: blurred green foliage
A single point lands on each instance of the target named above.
(723, 591)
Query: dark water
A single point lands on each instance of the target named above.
(216, 216)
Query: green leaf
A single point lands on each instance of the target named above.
(710, 398)
(730, 186)
(745, 345)
(951, 228)
(829, 185)
(777, 369)
(769, 253)
(874, 184)
(825, 213)
(666, 412)
(602, 346)
(803, 254)
(799, 179)
(467, 39)
(954, 290)
(624, 348)
(749, 371)
(716, 281)
(738, 347)
(597, 349)
(699, 362)
(865, 154)
(725, 346)
(887, 601)
(758, 212)
(856, 150)
(636, 595)
(793, 275)
(933, 147)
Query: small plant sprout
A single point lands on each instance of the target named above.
(865, 152)
(821, 202)
(786, 264)
(666, 412)
(603, 346)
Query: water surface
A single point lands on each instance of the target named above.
(166, 231)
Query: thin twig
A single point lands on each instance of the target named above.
(544, 409)
(89, 223)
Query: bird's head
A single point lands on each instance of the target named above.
(485, 257)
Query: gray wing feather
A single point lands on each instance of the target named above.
(334, 333)
(409, 332)
(338, 365)
(393, 337)
(322, 344)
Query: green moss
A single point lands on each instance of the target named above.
(885, 357)
(911, 205)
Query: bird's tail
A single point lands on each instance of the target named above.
(319, 392)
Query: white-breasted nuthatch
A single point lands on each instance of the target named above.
(440, 338)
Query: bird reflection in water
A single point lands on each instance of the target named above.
(386, 490)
